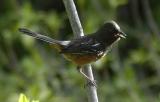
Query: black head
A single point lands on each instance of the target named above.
(111, 30)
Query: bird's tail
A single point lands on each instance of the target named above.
(38, 36)
(57, 44)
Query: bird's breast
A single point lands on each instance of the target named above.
(83, 59)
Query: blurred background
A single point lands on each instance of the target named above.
(129, 73)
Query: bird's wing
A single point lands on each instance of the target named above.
(84, 45)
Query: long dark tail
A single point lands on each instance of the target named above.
(39, 36)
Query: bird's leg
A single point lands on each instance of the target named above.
(90, 81)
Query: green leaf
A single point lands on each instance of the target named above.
(116, 3)
(35, 101)
(23, 98)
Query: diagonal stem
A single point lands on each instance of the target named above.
(78, 31)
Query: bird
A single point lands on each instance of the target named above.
(86, 49)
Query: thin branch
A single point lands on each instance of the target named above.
(73, 18)
(149, 17)
(135, 12)
(78, 31)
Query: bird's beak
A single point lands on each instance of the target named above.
(122, 34)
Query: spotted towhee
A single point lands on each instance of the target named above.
(85, 49)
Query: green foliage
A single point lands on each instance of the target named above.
(116, 3)
(23, 98)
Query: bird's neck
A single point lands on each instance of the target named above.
(105, 40)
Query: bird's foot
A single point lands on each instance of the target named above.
(91, 83)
